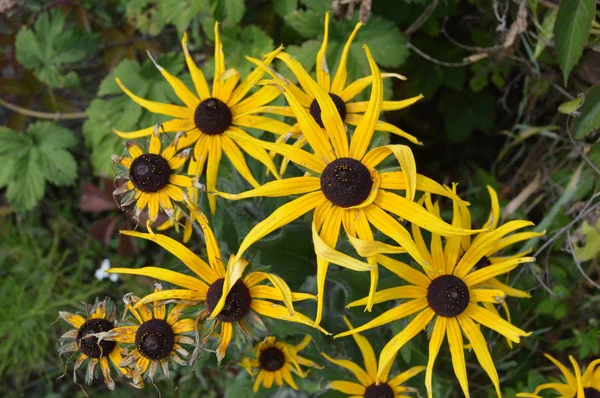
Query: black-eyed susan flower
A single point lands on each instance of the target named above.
(157, 336)
(342, 94)
(210, 117)
(342, 184)
(447, 294)
(492, 257)
(82, 340)
(247, 297)
(275, 361)
(577, 385)
(370, 385)
(152, 177)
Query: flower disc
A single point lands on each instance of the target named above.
(271, 359)
(590, 392)
(237, 303)
(448, 296)
(346, 182)
(379, 391)
(315, 109)
(89, 345)
(154, 339)
(212, 116)
(150, 172)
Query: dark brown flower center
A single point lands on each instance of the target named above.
(237, 303)
(379, 391)
(346, 182)
(271, 359)
(315, 109)
(89, 345)
(448, 296)
(150, 172)
(155, 339)
(590, 392)
(212, 116)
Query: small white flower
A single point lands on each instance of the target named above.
(101, 272)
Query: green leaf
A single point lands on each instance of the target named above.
(386, 42)
(285, 7)
(321, 6)
(590, 114)
(27, 185)
(234, 11)
(306, 53)
(50, 46)
(571, 30)
(308, 24)
(50, 136)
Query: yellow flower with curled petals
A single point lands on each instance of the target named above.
(370, 386)
(209, 118)
(341, 93)
(247, 298)
(276, 361)
(157, 337)
(586, 385)
(82, 339)
(343, 186)
(448, 294)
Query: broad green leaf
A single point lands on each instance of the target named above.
(308, 24)
(51, 136)
(50, 46)
(59, 166)
(285, 7)
(386, 42)
(320, 6)
(26, 185)
(590, 114)
(571, 30)
(234, 11)
(181, 13)
(306, 53)
(12, 143)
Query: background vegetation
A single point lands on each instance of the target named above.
(509, 101)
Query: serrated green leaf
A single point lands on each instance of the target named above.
(308, 24)
(51, 45)
(26, 186)
(306, 53)
(386, 42)
(12, 143)
(589, 120)
(284, 7)
(50, 136)
(320, 6)
(571, 30)
(128, 71)
(234, 11)
(59, 166)
(181, 12)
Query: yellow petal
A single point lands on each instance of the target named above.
(321, 62)
(170, 126)
(514, 238)
(166, 275)
(215, 258)
(366, 248)
(183, 326)
(493, 321)
(487, 296)
(236, 157)
(508, 290)
(339, 81)
(360, 107)
(261, 123)
(180, 180)
(393, 293)
(435, 342)
(367, 352)
(157, 107)
(285, 187)
(191, 260)
(404, 376)
(180, 89)
(230, 79)
(263, 96)
(405, 158)
(571, 380)
(357, 86)
(455, 341)
(256, 152)
(364, 131)
(389, 352)
(404, 271)
(226, 334)
(284, 290)
(494, 217)
(212, 170)
(358, 372)
(354, 119)
(347, 387)
(479, 344)
(486, 273)
(270, 293)
(219, 63)
(75, 320)
(280, 312)
(197, 75)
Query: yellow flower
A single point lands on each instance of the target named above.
(157, 336)
(242, 301)
(447, 294)
(213, 120)
(97, 319)
(577, 385)
(343, 185)
(491, 256)
(370, 385)
(342, 94)
(152, 178)
(277, 360)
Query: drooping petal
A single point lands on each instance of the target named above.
(493, 321)
(225, 340)
(360, 107)
(321, 62)
(256, 152)
(357, 86)
(180, 89)
(394, 293)
(435, 342)
(166, 275)
(367, 352)
(354, 119)
(280, 312)
(486, 273)
(236, 157)
(197, 75)
(455, 341)
(284, 187)
(170, 126)
(339, 81)
(404, 271)
(212, 169)
(358, 372)
(157, 107)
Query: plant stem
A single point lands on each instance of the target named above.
(43, 115)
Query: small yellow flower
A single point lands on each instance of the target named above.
(97, 319)
(212, 120)
(576, 386)
(157, 336)
(276, 361)
(243, 300)
(152, 176)
(370, 385)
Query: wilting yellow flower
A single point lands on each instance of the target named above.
(491, 256)
(152, 178)
(246, 297)
(157, 336)
(213, 120)
(369, 386)
(450, 293)
(276, 361)
(97, 319)
(576, 386)
(342, 94)
(343, 186)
